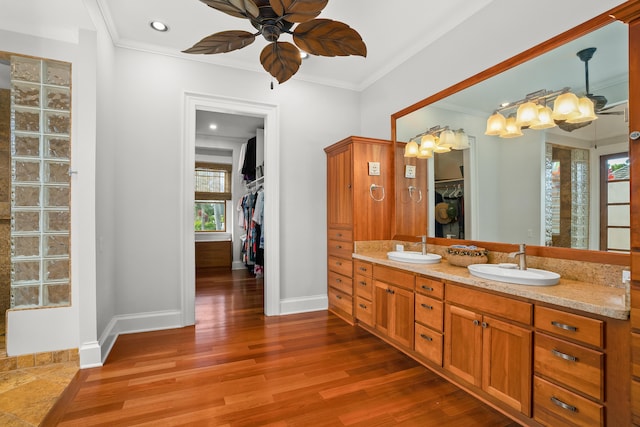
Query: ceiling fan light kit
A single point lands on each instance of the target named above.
(569, 112)
(272, 18)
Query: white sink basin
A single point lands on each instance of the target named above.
(414, 257)
(506, 273)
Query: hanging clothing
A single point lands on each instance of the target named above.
(243, 152)
(249, 166)
(251, 210)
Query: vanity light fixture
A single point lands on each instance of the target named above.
(159, 26)
(437, 139)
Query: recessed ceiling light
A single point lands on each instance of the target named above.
(213, 126)
(159, 26)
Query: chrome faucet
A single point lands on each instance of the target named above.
(523, 256)
(424, 244)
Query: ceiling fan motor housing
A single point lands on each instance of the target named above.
(269, 24)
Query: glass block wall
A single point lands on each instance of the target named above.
(40, 182)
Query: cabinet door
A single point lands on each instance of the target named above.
(339, 189)
(506, 371)
(402, 316)
(382, 308)
(463, 343)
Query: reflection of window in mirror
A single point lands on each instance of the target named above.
(615, 203)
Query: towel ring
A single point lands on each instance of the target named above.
(374, 187)
(412, 189)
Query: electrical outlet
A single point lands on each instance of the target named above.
(409, 171)
(374, 168)
(626, 276)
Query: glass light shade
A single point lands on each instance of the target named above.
(512, 129)
(425, 153)
(495, 124)
(462, 141)
(545, 119)
(587, 113)
(440, 149)
(411, 149)
(447, 138)
(427, 142)
(527, 114)
(565, 107)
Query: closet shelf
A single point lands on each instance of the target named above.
(442, 181)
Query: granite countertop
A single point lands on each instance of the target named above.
(587, 297)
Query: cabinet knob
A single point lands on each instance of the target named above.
(564, 356)
(476, 322)
(563, 326)
(485, 325)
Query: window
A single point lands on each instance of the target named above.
(212, 190)
(615, 197)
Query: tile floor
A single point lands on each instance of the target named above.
(27, 395)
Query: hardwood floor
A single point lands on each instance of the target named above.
(239, 368)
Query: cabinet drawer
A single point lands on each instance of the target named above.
(394, 277)
(572, 326)
(429, 312)
(428, 344)
(345, 235)
(340, 300)
(555, 406)
(364, 268)
(507, 308)
(340, 249)
(364, 287)
(340, 265)
(340, 282)
(432, 287)
(570, 364)
(364, 311)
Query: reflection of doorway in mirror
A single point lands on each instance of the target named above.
(449, 195)
(615, 203)
(567, 197)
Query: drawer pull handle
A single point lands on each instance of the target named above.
(563, 405)
(339, 234)
(563, 326)
(363, 268)
(428, 307)
(564, 356)
(338, 297)
(339, 280)
(425, 337)
(338, 264)
(339, 246)
(476, 322)
(363, 306)
(391, 291)
(427, 288)
(363, 283)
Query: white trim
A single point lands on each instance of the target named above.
(304, 304)
(90, 356)
(270, 113)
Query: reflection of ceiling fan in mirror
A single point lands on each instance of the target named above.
(599, 101)
(271, 18)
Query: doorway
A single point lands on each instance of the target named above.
(615, 187)
(269, 113)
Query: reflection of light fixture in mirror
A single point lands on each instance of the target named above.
(411, 149)
(545, 118)
(461, 140)
(512, 128)
(425, 153)
(565, 107)
(447, 138)
(527, 114)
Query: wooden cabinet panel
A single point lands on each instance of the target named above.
(556, 406)
(364, 311)
(463, 343)
(340, 282)
(394, 312)
(340, 265)
(429, 312)
(506, 370)
(364, 287)
(382, 307)
(339, 188)
(340, 300)
(363, 268)
(431, 287)
(343, 234)
(213, 254)
(568, 325)
(507, 308)
(340, 249)
(428, 343)
(395, 277)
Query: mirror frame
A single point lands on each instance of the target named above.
(625, 12)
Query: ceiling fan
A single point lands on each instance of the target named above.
(271, 18)
(599, 101)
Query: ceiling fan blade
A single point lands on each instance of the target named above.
(225, 41)
(326, 37)
(237, 8)
(281, 60)
(298, 10)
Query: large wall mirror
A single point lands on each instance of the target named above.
(562, 186)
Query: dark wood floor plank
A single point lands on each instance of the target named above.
(237, 367)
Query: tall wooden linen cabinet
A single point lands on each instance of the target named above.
(360, 201)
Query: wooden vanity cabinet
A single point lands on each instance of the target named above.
(355, 211)
(393, 302)
(488, 347)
